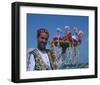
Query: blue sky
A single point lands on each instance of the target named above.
(51, 22)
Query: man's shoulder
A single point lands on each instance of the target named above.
(35, 50)
(31, 50)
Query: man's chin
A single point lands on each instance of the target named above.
(42, 47)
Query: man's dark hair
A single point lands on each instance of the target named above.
(42, 30)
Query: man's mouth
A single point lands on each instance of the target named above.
(42, 44)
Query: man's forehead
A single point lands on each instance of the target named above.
(43, 34)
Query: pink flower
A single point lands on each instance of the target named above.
(67, 27)
(80, 34)
(59, 30)
(75, 28)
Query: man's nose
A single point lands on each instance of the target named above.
(44, 40)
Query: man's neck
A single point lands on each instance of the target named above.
(43, 50)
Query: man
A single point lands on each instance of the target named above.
(40, 58)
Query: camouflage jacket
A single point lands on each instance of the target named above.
(39, 64)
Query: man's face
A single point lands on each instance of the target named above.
(42, 40)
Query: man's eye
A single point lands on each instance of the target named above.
(43, 38)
